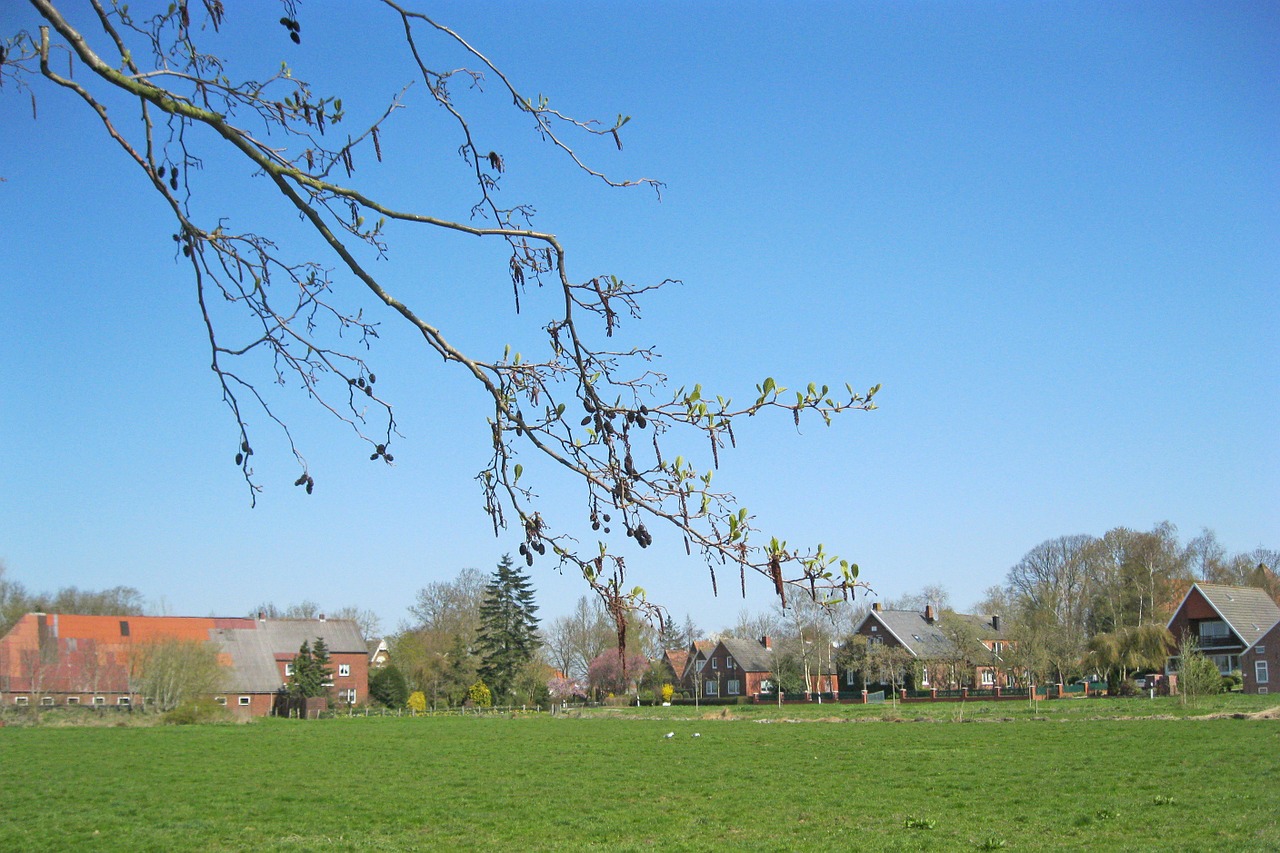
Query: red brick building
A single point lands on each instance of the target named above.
(52, 659)
(737, 667)
(1235, 627)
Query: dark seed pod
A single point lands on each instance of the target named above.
(540, 548)
(644, 410)
(388, 457)
(310, 485)
(372, 379)
(372, 456)
(239, 458)
(294, 38)
(360, 381)
(528, 559)
(586, 420)
(606, 518)
(244, 445)
(186, 251)
(595, 525)
(382, 448)
(641, 422)
(368, 390)
(522, 549)
(160, 172)
(606, 530)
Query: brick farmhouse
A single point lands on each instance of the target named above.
(51, 659)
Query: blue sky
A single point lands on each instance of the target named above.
(1051, 231)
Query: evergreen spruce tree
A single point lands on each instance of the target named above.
(508, 629)
(311, 673)
(303, 680)
(323, 672)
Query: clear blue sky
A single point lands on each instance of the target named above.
(1050, 230)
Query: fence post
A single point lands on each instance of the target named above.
(864, 696)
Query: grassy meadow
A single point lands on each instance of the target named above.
(1096, 774)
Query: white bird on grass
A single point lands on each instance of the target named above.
(669, 735)
(696, 734)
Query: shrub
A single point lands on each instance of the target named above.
(1232, 683)
(417, 702)
(196, 711)
(479, 695)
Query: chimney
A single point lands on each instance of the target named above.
(928, 613)
(995, 622)
(262, 616)
(321, 617)
(876, 606)
(766, 642)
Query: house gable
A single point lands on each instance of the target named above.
(1247, 612)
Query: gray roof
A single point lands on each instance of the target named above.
(928, 641)
(752, 656)
(253, 650)
(1249, 611)
(749, 654)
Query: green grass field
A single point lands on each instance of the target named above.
(1079, 775)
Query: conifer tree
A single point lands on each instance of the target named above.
(311, 673)
(508, 628)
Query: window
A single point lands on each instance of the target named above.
(1262, 691)
(729, 664)
(733, 688)
(288, 670)
(221, 700)
(712, 688)
(46, 700)
(875, 641)
(73, 700)
(1261, 650)
(1260, 671)
(99, 700)
(850, 679)
(924, 677)
(123, 701)
(344, 669)
(766, 685)
(715, 664)
(1214, 633)
(19, 700)
(988, 677)
(244, 700)
(349, 696)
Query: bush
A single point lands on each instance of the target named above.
(479, 695)
(1124, 688)
(195, 712)
(1232, 683)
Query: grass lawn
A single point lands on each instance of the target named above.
(789, 780)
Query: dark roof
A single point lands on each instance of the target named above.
(1249, 611)
(927, 640)
(753, 656)
(749, 654)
